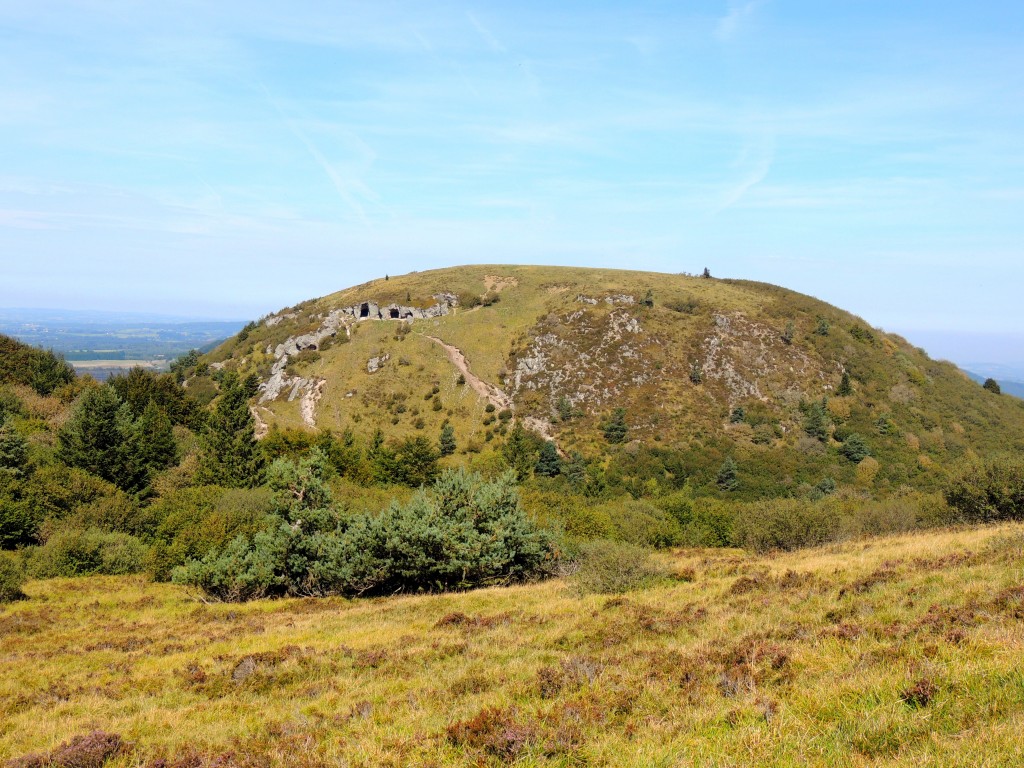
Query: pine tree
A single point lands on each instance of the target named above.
(855, 449)
(648, 299)
(845, 388)
(727, 478)
(549, 463)
(816, 421)
(13, 449)
(156, 438)
(519, 452)
(696, 372)
(230, 456)
(446, 443)
(787, 335)
(616, 429)
(100, 437)
(737, 415)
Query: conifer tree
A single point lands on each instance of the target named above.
(13, 448)
(101, 438)
(816, 421)
(231, 456)
(788, 333)
(845, 388)
(727, 479)
(616, 429)
(446, 443)
(155, 436)
(519, 452)
(992, 386)
(549, 463)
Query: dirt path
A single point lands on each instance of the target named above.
(487, 391)
(491, 393)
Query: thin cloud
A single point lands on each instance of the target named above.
(488, 37)
(756, 160)
(729, 25)
(340, 184)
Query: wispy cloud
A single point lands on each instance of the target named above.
(754, 162)
(730, 24)
(488, 37)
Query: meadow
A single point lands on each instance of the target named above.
(902, 650)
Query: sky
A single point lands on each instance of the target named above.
(227, 159)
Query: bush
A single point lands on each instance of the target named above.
(465, 532)
(80, 553)
(982, 492)
(785, 524)
(637, 522)
(611, 567)
(196, 521)
(710, 525)
(11, 579)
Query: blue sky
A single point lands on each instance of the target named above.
(225, 159)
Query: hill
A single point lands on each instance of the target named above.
(704, 370)
(902, 651)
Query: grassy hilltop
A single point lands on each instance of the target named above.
(705, 368)
(897, 651)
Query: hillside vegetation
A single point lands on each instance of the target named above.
(894, 651)
(703, 370)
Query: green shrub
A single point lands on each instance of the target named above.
(12, 577)
(643, 524)
(982, 492)
(784, 524)
(710, 524)
(80, 553)
(465, 532)
(612, 567)
(196, 521)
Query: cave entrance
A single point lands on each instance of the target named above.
(364, 311)
(395, 313)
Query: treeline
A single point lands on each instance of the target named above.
(140, 475)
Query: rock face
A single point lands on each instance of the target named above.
(374, 363)
(310, 390)
(585, 356)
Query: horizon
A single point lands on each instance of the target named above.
(235, 159)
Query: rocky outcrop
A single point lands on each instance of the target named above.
(334, 322)
(374, 364)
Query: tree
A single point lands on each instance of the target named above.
(822, 328)
(446, 442)
(155, 436)
(696, 372)
(549, 463)
(13, 448)
(616, 429)
(706, 274)
(519, 452)
(737, 415)
(816, 421)
(101, 438)
(845, 388)
(854, 448)
(230, 455)
(648, 299)
(412, 462)
(727, 478)
(788, 333)
(992, 386)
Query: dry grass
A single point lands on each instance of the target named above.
(897, 651)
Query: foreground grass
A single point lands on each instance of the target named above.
(898, 651)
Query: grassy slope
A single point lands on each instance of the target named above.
(938, 414)
(795, 659)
